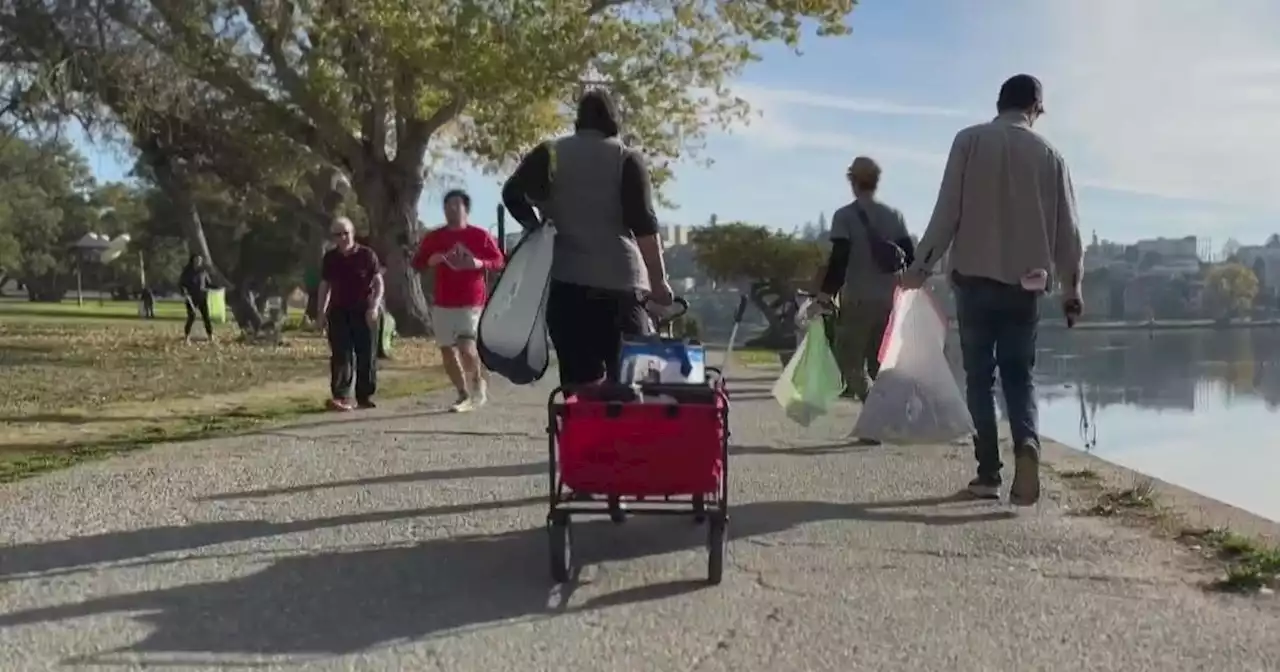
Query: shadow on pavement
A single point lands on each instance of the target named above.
(499, 471)
(750, 395)
(748, 378)
(845, 447)
(117, 546)
(344, 602)
(361, 416)
(458, 432)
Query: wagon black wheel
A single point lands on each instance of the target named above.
(717, 540)
(699, 509)
(617, 512)
(561, 547)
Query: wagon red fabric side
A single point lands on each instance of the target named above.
(643, 450)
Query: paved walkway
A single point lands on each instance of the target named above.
(412, 540)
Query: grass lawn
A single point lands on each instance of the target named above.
(756, 357)
(167, 310)
(91, 382)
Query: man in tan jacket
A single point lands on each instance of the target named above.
(1006, 210)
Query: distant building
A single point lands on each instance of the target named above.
(1186, 247)
(1103, 254)
(673, 235)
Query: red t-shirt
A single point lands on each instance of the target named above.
(458, 288)
(350, 277)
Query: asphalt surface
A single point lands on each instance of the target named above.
(409, 539)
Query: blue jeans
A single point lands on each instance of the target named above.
(998, 325)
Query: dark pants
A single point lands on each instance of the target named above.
(587, 326)
(860, 327)
(351, 359)
(998, 325)
(198, 304)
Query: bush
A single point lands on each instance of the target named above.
(687, 326)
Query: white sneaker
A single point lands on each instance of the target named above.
(463, 406)
(481, 395)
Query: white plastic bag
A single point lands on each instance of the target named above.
(915, 398)
(512, 338)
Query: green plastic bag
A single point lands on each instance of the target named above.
(386, 333)
(811, 381)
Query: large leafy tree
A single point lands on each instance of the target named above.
(64, 61)
(770, 266)
(46, 203)
(375, 87)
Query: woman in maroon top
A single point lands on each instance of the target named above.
(350, 295)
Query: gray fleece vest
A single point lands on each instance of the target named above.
(594, 248)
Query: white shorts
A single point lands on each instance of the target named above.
(455, 324)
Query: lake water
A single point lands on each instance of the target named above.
(1199, 409)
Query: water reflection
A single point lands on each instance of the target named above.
(1189, 407)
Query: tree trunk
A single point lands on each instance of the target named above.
(390, 200)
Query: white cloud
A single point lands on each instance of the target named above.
(774, 131)
(1175, 98)
(771, 127)
(765, 97)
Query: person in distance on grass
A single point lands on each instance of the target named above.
(351, 291)
(194, 284)
(459, 255)
(1006, 210)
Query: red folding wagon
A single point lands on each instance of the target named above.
(666, 454)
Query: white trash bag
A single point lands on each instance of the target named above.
(915, 398)
(512, 338)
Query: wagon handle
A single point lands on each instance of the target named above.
(681, 308)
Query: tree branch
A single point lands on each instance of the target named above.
(215, 69)
(418, 131)
(272, 36)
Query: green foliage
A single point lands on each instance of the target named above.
(45, 205)
(385, 90)
(1229, 290)
(364, 81)
(738, 252)
(687, 326)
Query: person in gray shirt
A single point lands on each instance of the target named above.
(869, 246)
(608, 258)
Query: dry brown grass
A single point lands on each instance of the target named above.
(80, 385)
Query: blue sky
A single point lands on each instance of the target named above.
(1165, 109)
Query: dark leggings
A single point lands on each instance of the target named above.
(198, 304)
(587, 325)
